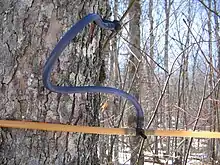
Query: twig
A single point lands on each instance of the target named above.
(197, 120)
(163, 91)
(200, 47)
(217, 14)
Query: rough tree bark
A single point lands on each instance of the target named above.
(28, 32)
(113, 80)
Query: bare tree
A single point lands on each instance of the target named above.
(166, 59)
(134, 59)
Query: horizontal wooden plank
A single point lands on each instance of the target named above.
(104, 131)
(66, 128)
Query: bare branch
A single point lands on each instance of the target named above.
(217, 14)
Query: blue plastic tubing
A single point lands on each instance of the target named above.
(64, 41)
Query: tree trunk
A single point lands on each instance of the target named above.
(29, 31)
(212, 97)
(135, 56)
(167, 4)
(217, 110)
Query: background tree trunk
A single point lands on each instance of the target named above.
(168, 122)
(28, 32)
(134, 60)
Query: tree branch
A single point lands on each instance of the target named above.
(217, 14)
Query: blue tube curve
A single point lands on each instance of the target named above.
(64, 41)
